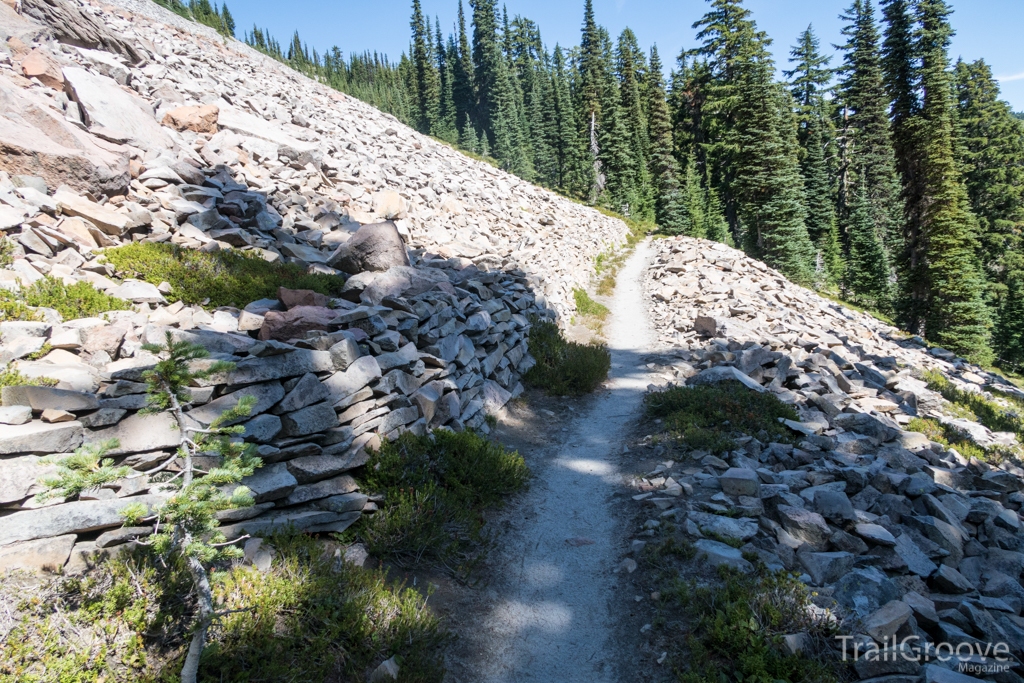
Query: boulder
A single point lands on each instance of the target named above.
(199, 119)
(374, 247)
(290, 298)
(740, 481)
(266, 395)
(35, 140)
(309, 420)
(804, 525)
(886, 620)
(40, 64)
(40, 437)
(270, 482)
(42, 398)
(41, 554)
(139, 433)
(306, 392)
(717, 554)
(826, 568)
(359, 374)
(113, 113)
(294, 323)
(740, 529)
(77, 517)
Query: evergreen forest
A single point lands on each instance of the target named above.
(891, 176)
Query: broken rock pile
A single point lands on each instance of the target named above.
(901, 536)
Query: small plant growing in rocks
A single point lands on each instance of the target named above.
(186, 524)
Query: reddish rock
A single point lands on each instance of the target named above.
(290, 298)
(201, 119)
(294, 323)
(40, 64)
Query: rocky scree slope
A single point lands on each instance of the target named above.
(121, 127)
(900, 536)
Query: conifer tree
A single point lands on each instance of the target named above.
(572, 158)
(821, 217)
(632, 72)
(768, 179)
(425, 81)
(943, 288)
(445, 127)
(992, 150)
(868, 145)
(186, 523)
(670, 211)
(462, 79)
(867, 269)
(487, 62)
(808, 81)
(592, 80)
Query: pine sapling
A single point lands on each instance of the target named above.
(186, 523)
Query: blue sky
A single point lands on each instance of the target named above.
(988, 29)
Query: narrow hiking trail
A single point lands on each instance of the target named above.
(548, 614)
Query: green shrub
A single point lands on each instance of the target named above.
(435, 488)
(977, 406)
(950, 437)
(705, 417)
(6, 252)
(306, 619)
(733, 630)
(223, 278)
(10, 377)
(565, 368)
(587, 306)
(13, 308)
(80, 300)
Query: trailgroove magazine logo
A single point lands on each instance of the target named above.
(969, 658)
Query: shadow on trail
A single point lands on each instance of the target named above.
(552, 609)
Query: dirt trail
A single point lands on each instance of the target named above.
(550, 612)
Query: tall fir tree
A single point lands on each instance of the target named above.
(670, 208)
(809, 81)
(631, 68)
(992, 157)
(425, 81)
(445, 126)
(867, 142)
(866, 278)
(462, 78)
(488, 62)
(943, 288)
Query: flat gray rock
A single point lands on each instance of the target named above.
(717, 554)
(40, 437)
(69, 518)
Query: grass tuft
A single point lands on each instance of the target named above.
(565, 368)
(222, 278)
(704, 417)
(435, 488)
(587, 306)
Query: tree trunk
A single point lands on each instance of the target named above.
(195, 648)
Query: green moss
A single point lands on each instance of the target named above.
(80, 300)
(435, 488)
(306, 619)
(705, 417)
(223, 278)
(587, 306)
(565, 368)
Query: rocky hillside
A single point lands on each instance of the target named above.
(130, 126)
(900, 532)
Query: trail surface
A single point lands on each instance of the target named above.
(550, 613)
